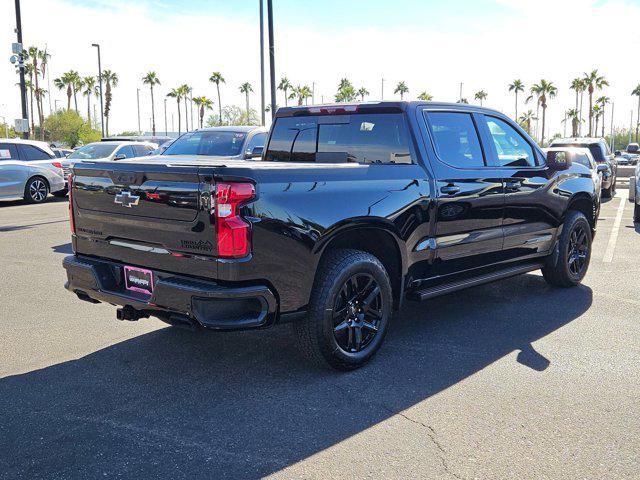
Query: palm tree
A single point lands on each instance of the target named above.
(65, 82)
(246, 89)
(525, 120)
(28, 70)
(579, 86)
(401, 88)
(34, 55)
(89, 89)
(185, 90)
(44, 62)
(516, 87)
(217, 78)
(363, 92)
(480, 95)
(603, 101)
(152, 79)
(544, 90)
(535, 92)
(346, 91)
(597, 112)
(285, 86)
(462, 100)
(40, 93)
(593, 82)
(426, 97)
(303, 93)
(111, 80)
(177, 94)
(573, 115)
(76, 84)
(205, 104)
(636, 91)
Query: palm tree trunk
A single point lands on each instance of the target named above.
(544, 114)
(219, 104)
(590, 111)
(638, 119)
(516, 119)
(286, 99)
(603, 122)
(75, 99)
(179, 119)
(201, 114)
(537, 135)
(89, 108)
(580, 120)
(247, 94)
(106, 125)
(186, 116)
(33, 125)
(153, 114)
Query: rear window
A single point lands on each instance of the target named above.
(213, 143)
(633, 148)
(596, 150)
(359, 138)
(93, 151)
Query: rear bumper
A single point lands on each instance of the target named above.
(175, 299)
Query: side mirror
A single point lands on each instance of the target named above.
(255, 153)
(557, 161)
(602, 168)
(618, 153)
(120, 156)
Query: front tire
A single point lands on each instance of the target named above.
(36, 190)
(349, 312)
(569, 267)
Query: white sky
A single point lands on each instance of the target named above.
(552, 39)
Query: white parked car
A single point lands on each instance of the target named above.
(106, 150)
(29, 170)
(634, 193)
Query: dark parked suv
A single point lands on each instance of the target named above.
(352, 210)
(601, 154)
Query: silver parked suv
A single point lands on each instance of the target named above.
(28, 169)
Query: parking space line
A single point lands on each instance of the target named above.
(613, 238)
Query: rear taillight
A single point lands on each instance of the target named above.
(56, 164)
(233, 232)
(72, 224)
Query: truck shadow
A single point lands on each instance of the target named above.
(244, 405)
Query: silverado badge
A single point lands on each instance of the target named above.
(125, 199)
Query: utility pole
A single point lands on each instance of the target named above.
(313, 93)
(272, 58)
(138, 101)
(172, 125)
(630, 126)
(23, 85)
(100, 82)
(382, 90)
(191, 107)
(460, 98)
(262, 112)
(165, 118)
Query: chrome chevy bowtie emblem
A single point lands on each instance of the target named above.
(125, 199)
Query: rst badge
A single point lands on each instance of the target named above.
(125, 199)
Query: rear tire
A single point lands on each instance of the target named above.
(349, 311)
(36, 190)
(574, 253)
(608, 192)
(61, 193)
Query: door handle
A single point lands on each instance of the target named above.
(450, 189)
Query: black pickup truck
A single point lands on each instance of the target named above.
(351, 210)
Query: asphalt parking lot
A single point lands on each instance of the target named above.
(517, 380)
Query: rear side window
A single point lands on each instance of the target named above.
(29, 152)
(142, 150)
(358, 138)
(512, 149)
(8, 151)
(456, 139)
(127, 151)
(582, 159)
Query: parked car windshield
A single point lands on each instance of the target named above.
(93, 151)
(214, 143)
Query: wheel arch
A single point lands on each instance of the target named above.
(377, 238)
(585, 203)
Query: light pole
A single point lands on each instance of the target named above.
(272, 58)
(23, 85)
(313, 93)
(138, 102)
(460, 98)
(56, 104)
(382, 90)
(100, 82)
(613, 138)
(262, 61)
(165, 117)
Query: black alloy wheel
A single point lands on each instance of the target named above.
(357, 313)
(578, 250)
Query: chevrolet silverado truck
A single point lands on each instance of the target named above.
(351, 210)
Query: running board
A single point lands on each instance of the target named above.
(443, 289)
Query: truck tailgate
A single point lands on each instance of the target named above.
(154, 215)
